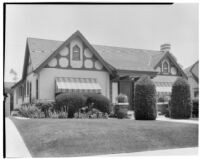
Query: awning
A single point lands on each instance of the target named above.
(79, 85)
(163, 88)
(164, 84)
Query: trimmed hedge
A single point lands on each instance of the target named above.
(122, 98)
(99, 101)
(145, 99)
(181, 106)
(73, 102)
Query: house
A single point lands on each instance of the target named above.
(192, 73)
(75, 65)
(8, 97)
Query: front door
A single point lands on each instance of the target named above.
(125, 87)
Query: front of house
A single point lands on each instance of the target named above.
(52, 67)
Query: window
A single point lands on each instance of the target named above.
(20, 91)
(36, 88)
(27, 88)
(165, 67)
(76, 56)
(196, 92)
(24, 89)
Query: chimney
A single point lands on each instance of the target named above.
(165, 47)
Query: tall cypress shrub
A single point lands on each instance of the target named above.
(181, 106)
(145, 99)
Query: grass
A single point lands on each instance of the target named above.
(76, 137)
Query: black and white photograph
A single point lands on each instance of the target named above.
(100, 79)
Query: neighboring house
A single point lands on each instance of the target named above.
(8, 97)
(192, 73)
(51, 67)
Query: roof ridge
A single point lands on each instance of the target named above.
(121, 47)
(126, 48)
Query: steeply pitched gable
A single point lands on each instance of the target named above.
(168, 56)
(62, 45)
(195, 71)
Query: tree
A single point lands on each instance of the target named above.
(181, 105)
(14, 73)
(145, 99)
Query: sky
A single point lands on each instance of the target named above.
(133, 26)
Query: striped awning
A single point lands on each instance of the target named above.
(164, 88)
(78, 85)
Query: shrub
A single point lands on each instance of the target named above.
(121, 115)
(180, 107)
(145, 99)
(73, 102)
(30, 112)
(99, 101)
(45, 107)
(62, 115)
(122, 98)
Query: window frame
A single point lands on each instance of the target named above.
(37, 87)
(165, 67)
(196, 92)
(76, 54)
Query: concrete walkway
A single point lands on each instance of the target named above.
(169, 152)
(15, 146)
(163, 118)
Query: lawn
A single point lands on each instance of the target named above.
(76, 137)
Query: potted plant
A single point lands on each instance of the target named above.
(121, 107)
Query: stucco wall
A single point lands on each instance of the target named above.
(17, 99)
(47, 80)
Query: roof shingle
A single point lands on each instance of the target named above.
(118, 57)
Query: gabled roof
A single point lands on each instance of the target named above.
(174, 61)
(62, 45)
(193, 71)
(41, 51)
(117, 57)
(187, 71)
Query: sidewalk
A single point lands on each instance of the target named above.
(15, 146)
(163, 118)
